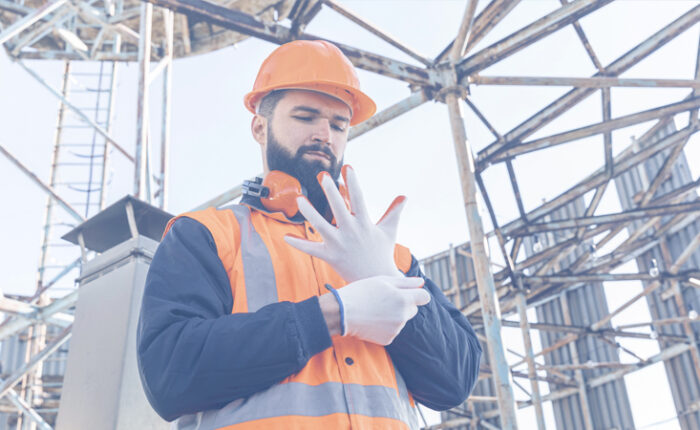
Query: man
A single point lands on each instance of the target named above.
(293, 310)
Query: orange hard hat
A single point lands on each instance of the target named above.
(313, 65)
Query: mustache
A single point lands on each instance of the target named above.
(318, 148)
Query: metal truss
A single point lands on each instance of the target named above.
(546, 254)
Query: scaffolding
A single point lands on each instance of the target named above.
(553, 258)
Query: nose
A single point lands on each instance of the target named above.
(322, 132)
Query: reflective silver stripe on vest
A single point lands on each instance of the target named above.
(410, 411)
(299, 399)
(294, 398)
(260, 285)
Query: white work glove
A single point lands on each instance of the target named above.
(357, 248)
(376, 309)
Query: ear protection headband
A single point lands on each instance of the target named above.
(278, 192)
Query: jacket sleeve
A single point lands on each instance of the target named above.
(193, 354)
(437, 352)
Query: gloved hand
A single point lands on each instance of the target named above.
(377, 308)
(356, 248)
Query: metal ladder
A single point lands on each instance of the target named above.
(79, 172)
(79, 169)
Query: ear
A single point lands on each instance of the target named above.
(258, 127)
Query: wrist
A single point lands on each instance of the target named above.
(330, 309)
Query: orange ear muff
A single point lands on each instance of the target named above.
(283, 192)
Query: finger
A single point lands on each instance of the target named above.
(346, 197)
(315, 249)
(314, 218)
(357, 200)
(407, 282)
(389, 222)
(335, 200)
(418, 296)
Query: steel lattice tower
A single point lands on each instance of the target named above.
(553, 258)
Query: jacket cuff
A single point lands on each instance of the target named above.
(312, 329)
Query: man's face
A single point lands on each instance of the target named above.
(307, 134)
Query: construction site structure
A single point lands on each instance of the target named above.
(553, 258)
(102, 367)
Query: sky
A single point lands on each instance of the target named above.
(212, 150)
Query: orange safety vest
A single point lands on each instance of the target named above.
(351, 385)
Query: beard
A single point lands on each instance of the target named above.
(305, 171)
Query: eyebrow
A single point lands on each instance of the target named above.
(318, 112)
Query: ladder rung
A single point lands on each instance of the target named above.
(91, 90)
(83, 190)
(81, 122)
(70, 183)
(70, 186)
(86, 155)
(100, 123)
(62, 224)
(85, 74)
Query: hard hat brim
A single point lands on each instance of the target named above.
(361, 105)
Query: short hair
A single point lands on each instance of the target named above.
(268, 103)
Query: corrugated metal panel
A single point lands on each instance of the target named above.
(12, 353)
(55, 364)
(437, 268)
(683, 378)
(608, 404)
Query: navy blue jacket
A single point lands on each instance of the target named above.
(194, 355)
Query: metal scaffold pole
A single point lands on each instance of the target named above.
(490, 308)
(556, 255)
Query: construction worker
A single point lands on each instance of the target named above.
(292, 309)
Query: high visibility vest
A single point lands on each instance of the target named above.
(351, 385)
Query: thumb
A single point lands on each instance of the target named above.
(315, 249)
(408, 282)
(389, 222)
(418, 296)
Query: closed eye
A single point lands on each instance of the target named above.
(335, 127)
